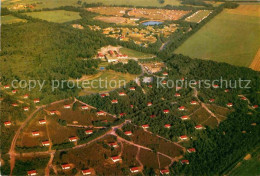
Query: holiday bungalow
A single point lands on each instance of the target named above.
(193, 102)
(191, 150)
(35, 133)
(181, 108)
(84, 107)
(86, 172)
(145, 126)
(134, 170)
(45, 143)
(165, 172)
(185, 162)
(25, 96)
(115, 159)
(166, 111)
(36, 100)
(185, 117)
(132, 88)
(26, 108)
(14, 104)
(43, 121)
(113, 144)
(199, 127)
(184, 137)
(31, 172)
(149, 104)
(73, 139)
(14, 91)
(152, 116)
(66, 106)
(65, 166)
(7, 123)
(211, 100)
(101, 113)
(177, 95)
(167, 125)
(128, 133)
(122, 94)
(6, 87)
(88, 132)
(229, 105)
(114, 101)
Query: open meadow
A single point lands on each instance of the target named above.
(230, 37)
(9, 19)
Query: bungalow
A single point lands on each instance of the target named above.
(216, 86)
(193, 102)
(26, 108)
(165, 74)
(35, 133)
(113, 144)
(149, 104)
(115, 159)
(165, 171)
(31, 172)
(45, 143)
(191, 150)
(150, 86)
(178, 88)
(152, 116)
(145, 126)
(181, 108)
(185, 162)
(100, 113)
(128, 133)
(211, 100)
(255, 106)
(6, 87)
(52, 112)
(132, 88)
(184, 137)
(132, 106)
(229, 105)
(166, 111)
(226, 90)
(25, 96)
(14, 104)
(8, 123)
(65, 166)
(73, 139)
(100, 56)
(88, 132)
(14, 91)
(86, 172)
(164, 82)
(43, 121)
(177, 95)
(185, 117)
(66, 106)
(199, 127)
(114, 101)
(36, 100)
(167, 125)
(84, 107)
(122, 94)
(134, 170)
(104, 95)
(243, 98)
(122, 114)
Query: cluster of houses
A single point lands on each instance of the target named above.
(112, 56)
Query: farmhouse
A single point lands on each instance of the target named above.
(66, 106)
(149, 104)
(114, 101)
(229, 105)
(45, 143)
(35, 133)
(41, 122)
(65, 166)
(167, 125)
(191, 150)
(166, 111)
(113, 144)
(36, 100)
(88, 131)
(115, 159)
(128, 133)
(184, 137)
(185, 162)
(145, 126)
(134, 170)
(14, 104)
(84, 107)
(31, 172)
(26, 108)
(6, 87)
(25, 96)
(100, 113)
(165, 171)
(14, 91)
(73, 139)
(181, 108)
(7, 123)
(199, 127)
(86, 172)
(185, 117)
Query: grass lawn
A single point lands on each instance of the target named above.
(9, 19)
(57, 16)
(229, 37)
(137, 54)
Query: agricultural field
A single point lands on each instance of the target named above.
(198, 16)
(9, 19)
(230, 37)
(135, 54)
(56, 16)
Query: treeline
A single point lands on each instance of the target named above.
(196, 3)
(131, 67)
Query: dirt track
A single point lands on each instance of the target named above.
(255, 65)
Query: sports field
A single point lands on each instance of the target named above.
(231, 37)
(57, 16)
(9, 19)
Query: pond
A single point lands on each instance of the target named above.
(151, 23)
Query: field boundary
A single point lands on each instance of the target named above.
(255, 64)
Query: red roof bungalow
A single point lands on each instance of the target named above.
(178, 88)
(226, 90)
(193, 102)
(36, 100)
(122, 114)
(104, 95)
(185, 117)
(191, 150)
(166, 111)
(43, 121)
(114, 101)
(211, 100)
(52, 112)
(145, 126)
(255, 106)
(31, 172)
(184, 137)
(65, 166)
(86, 172)
(122, 94)
(45, 143)
(99, 113)
(14, 91)
(115, 159)
(14, 104)
(185, 162)
(88, 131)
(26, 108)
(134, 169)
(164, 82)
(165, 74)
(216, 86)
(165, 171)
(199, 127)
(6, 87)
(181, 108)
(7, 123)
(25, 96)
(132, 88)
(113, 144)
(149, 104)
(35, 133)
(167, 126)
(229, 105)
(84, 107)
(73, 139)
(150, 86)
(128, 133)
(132, 106)
(177, 95)
(243, 98)
(152, 116)
(111, 52)
(66, 106)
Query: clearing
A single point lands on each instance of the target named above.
(9, 19)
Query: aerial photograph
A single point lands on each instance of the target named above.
(130, 88)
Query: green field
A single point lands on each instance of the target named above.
(9, 19)
(137, 2)
(137, 54)
(57, 16)
(199, 16)
(229, 37)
